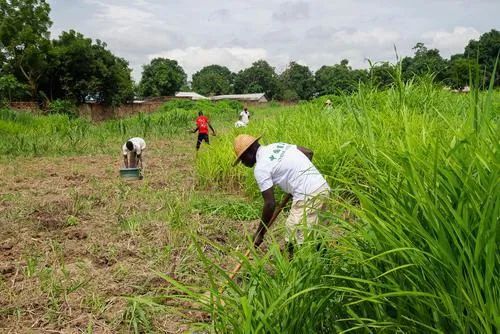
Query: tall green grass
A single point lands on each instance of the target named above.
(27, 134)
(412, 243)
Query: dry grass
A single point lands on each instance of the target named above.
(75, 240)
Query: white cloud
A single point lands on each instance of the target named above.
(320, 32)
(450, 42)
(193, 59)
(292, 11)
(379, 36)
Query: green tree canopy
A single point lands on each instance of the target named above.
(298, 78)
(486, 50)
(381, 75)
(80, 69)
(459, 69)
(24, 40)
(162, 77)
(424, 61)
(339, 78)
(258, 78)
(11, 89)
(213, 80)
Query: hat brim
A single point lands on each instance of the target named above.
(238, 158)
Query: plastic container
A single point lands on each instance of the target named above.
(131, 174)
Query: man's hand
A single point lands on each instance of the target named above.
(213, 133)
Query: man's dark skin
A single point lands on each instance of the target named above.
(130, 147)
(249, 158)
(210, 125)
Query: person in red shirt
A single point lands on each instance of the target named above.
(202, 125)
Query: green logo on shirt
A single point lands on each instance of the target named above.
(279, 151)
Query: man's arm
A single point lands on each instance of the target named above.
(125, 161)
(211, 128)
(195, 129)
(267, 214)
(307, 152)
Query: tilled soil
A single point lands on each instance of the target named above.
(75, 240)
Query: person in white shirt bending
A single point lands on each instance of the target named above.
(290, 167)
(244, 118)
(132, 152)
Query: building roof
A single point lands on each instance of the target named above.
(245, 97)
(192, 95)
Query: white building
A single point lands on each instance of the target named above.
(190, 96)
(257, 97)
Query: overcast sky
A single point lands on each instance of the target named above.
(236, 33)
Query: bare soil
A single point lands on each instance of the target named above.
(75, 240)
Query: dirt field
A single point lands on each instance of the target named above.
(76, 240)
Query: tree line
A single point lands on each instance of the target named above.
(76, 68)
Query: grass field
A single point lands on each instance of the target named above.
(411, 245)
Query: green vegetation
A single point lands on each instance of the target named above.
(411, 243)
(74, 67)
(213, 80)
(162, 77)
(62, 134)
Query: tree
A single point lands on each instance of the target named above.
(213, 80)
(80, 69)
(425, 61)
(11, 89)
(339, 78)
(486, 51)
(258, 78)
(459, 68)
(24, 39)
(162, 77)
(381, 74)
(298, 78)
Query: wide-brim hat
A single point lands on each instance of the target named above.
(241, 144)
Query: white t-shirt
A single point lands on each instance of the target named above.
(245, 115)
(139, 146)
(284, 165)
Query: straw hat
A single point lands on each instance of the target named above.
(241, 144)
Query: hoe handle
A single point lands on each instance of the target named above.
(273, 218)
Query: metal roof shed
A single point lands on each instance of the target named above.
(190, 95)
(256, 97)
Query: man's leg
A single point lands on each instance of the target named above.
(293, 231)
(304, 215)
(132, 159)
(198, 142)
(207, 139)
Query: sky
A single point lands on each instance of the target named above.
(237, 33)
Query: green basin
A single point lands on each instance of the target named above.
(131, 173)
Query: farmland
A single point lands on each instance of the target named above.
(411, 243)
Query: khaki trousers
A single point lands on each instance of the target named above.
(304, 214)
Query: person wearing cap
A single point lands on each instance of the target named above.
(202, 125)
(290, 167)
(132, 152)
